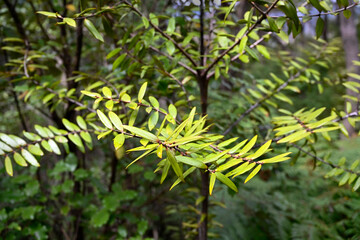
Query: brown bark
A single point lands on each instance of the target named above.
(351, 49)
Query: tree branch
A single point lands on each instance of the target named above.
(323, 161)
(157, 29)
(239, 40)
(326, 13)
(171, 58)
(260, 101)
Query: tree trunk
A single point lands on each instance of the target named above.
(351, 49)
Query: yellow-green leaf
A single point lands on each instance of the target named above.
(191, 161)
(104, 119)
(141, 133)
(212, 183)
(19, 160)
(69, 21)
(154, 117)
(116, 121)
(226, 181)
(253, 173)
(119, 141)
(142, 92)
(8, 166)
(92, 29)
(174, 164)
(29, 158)
(248, 146)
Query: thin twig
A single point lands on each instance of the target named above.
(165, 72)
(239, 40)
(171, 58)
(238, 55)
(260, 101)
(157, 29)
(325, 13)
(323, 161)
(65, 97)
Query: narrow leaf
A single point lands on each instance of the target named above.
(92, 29)
(253, 173)
(29, 158)
(212, 183)
(8, 166)
(174, 164)
(104, 119)
(226, 181)
(142, 92)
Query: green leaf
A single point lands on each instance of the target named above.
(76, 140)
(242, 169)
(253, 173)
(165, 171)
(9, 140)
(29, 158)
(153, 19)
(116, 121)
(91, 94)
(191, 161)
(113, 53)
(226, 181)
(145, 21)
(142, 92)
(8, 166)
(170, 47)
(107, 92)
(154, 102)
(86, 136)
(118, 61)
(172, 111)
(68, 124)
(174, 164)
(242, 44)
(263, 51)
(48, 14)
(5, 147)
(154, 117)
(356, 185)
(100, 218)
(261, 150)
(69, 21)
(344, 179)
(279, 158)
(119, 141)
(171, 26)
(143, 155)
(46, 145)
(354, 165)
(141, 133)
(347, 14)
(295, 136)
(320, 24)
(229, 9)
(133, 116)
(54, 147)
(186, 173)
(212, 183)
(20, 160)
(81, 122)
(248, 146)
(104, 119)
(273, 25)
